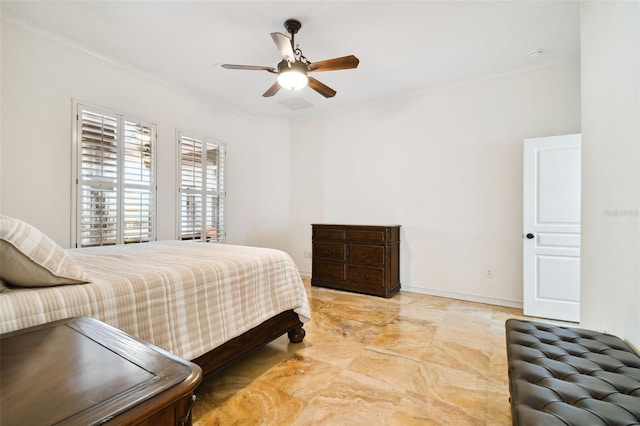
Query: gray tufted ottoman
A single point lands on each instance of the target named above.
(570, 376)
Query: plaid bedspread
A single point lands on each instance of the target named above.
(184, 297)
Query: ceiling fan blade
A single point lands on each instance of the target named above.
(284, 46)
(321, 88)
(272, 90)
(248, 67)
(343, 63)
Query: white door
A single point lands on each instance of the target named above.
(551, 221)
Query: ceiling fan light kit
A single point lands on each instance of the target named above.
(292, 76)
(294, 67)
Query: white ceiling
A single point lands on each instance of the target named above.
(403, 46)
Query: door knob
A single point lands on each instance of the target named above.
(530, 236)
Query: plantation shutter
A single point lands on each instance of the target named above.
(98, 179)
(215, 157)
(138, 183)
(115, 180)
(201, 189)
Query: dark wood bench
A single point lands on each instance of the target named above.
(570, 376)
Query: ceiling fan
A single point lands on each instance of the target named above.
(294, 67)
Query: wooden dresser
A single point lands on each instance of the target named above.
(80, 371)
(359, 258)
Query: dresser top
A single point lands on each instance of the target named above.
(359, 224)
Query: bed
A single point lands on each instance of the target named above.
(209, 303)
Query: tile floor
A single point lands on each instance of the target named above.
(409, 360)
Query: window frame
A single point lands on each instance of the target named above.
(120, 183)
(220, 193)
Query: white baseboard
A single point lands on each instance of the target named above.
(463, 296)
(451, 295)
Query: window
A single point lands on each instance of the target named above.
(114, 178)
(201, 188)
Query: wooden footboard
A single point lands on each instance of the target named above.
(218, 358)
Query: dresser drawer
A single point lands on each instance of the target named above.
(329, 251)
(332, 271)
(366, 235)
(328, 233)
(371, 276)
(360, 254)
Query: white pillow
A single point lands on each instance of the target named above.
(28, 258)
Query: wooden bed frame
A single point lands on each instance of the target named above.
(236, 348)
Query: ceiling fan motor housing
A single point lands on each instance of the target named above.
(296, 66)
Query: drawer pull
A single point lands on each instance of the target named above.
(365, 254)
(328, 270)
(365, 275)
(329, 251)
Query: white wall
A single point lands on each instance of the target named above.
(610, 271)
(39, 79)
(446, 165)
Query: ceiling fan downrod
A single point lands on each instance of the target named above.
(293, 26)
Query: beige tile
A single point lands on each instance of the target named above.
(392, 369)
(415, 409)
(432, 302)
(469, 314)
(407, 337)
(472, 309)
(258, 404)
(346, 328)
(359, 323)
(498, 409)
(498, 368)
(433, 380)
(338, 351)
(376, 311)
(457, 356)
(301, 377)
(215, 390)
(462, 336)
(352, 399)
(413, 359)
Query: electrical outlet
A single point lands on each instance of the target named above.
(307, 255)
(489, 273)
